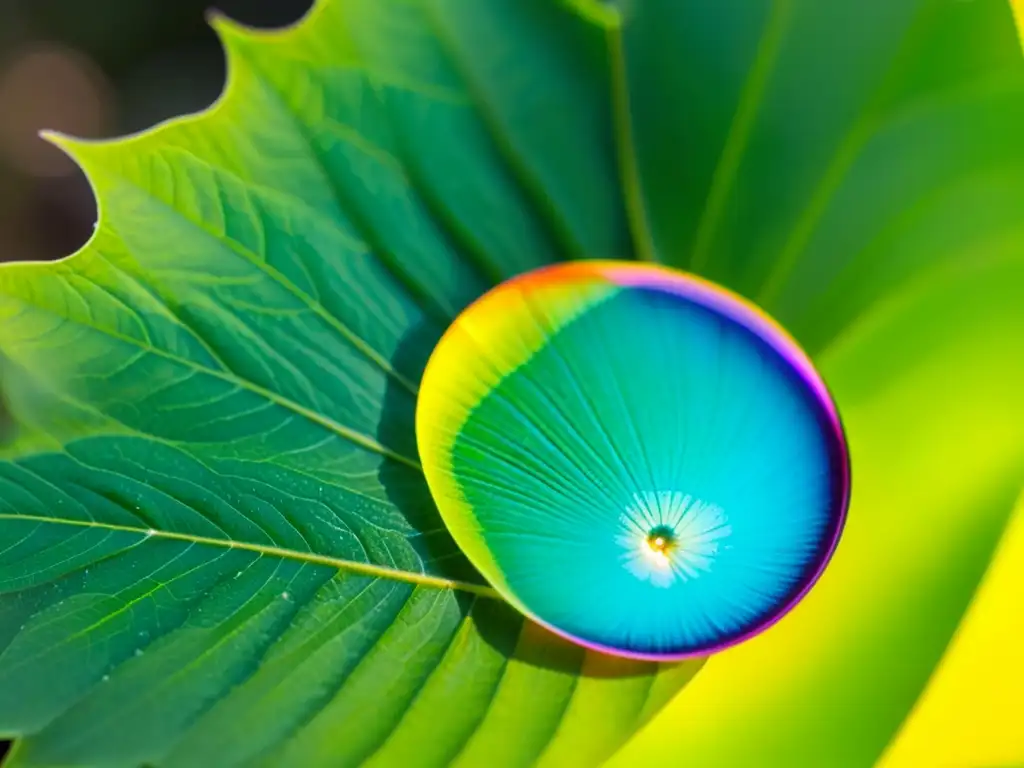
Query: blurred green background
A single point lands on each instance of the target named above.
(96, 69)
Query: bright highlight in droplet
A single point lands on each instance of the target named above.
(659, 544)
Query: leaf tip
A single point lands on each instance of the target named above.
(228, 28)
(56, 138)
(220, 21)
(229, 31)
(75, 147)
(70, 145)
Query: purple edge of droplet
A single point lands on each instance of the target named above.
(737, 308)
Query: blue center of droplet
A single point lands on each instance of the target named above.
(657, 478)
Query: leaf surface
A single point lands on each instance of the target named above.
(817, 156)
(218, 547)
(858, 171)
(215, 542)
(935, 422)
(969, 713)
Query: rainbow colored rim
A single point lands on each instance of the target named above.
(494, 338)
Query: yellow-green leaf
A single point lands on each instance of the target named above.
(930, 385)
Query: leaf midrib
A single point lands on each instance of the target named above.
(738, 136)
(625, 144)
(353, 566)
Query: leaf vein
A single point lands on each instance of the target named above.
(368, 569)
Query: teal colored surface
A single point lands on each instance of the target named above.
(650, 410)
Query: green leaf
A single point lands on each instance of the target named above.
(968, 714)
(218, 547)
(857, 169)
(936, 428)
(930, 383)
(815, 156)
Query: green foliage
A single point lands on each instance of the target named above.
(216, 547)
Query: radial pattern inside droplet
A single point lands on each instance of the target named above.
(634, 458)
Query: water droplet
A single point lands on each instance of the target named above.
(106, 678)
(691, 574)
(285, 595)
(138, 651)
